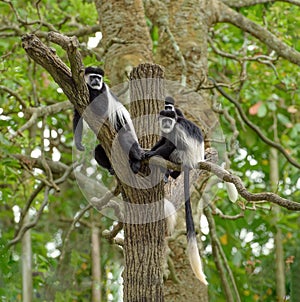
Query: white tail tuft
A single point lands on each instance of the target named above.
(231, 191)
(170, 215)
(195, 261)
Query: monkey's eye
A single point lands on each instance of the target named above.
(169, 107)
(166, 124)
(97, 78)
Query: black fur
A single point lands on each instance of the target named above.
(173, 147)
(99, 105)
(166, 147)
(170, 105)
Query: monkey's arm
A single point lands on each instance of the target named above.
(77, 130)
(131, 148)
(164, 149)
(161, 142)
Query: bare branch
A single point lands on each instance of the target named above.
(245, 3)
(271, 197)
(70, 45)
(15, 94)
(254, 127)
(221, 52)
(226, 176)
(33, 223)
(228, 15)
(110, 235)
(218, 212)
(42, 111)
(56, 167)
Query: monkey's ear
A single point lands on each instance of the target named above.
(96, 70)
(100, 71)
(169, 100)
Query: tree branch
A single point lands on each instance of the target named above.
(226, 176)
(220, 258)
(70, 45)
(34, 222)
(42, 111)
(245, 3)
(228, 15)
(15, 94)
(271, 197)
(255, 128)
(72, 84)
(111, 234)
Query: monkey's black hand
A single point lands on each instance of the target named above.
(143, 152)
(79, 146)
(149, 154)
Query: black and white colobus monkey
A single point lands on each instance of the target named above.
(182, 142)
(105, 104)
(231, 189)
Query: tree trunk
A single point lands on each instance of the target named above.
(279, 253)
(26, 264)
(96, 267)
(126, 39)
(145, 229)
(182, 49)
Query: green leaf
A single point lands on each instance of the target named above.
(283, 119)
(262, 110)
(272, 106)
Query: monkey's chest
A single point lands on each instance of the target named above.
(188, 152)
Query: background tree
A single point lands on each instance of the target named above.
(250, 49)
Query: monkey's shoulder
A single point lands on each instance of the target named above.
(192, 129)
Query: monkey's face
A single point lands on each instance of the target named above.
(169, 107)
(94, 80)
(166, 124)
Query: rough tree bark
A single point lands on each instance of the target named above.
(27, 265)
(126, 39)
(96, 266)
(182, 49)
(144, 242)
(279, 252)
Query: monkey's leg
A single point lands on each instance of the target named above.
(102, 159)
(132, 148)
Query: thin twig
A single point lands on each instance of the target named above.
(254, 127)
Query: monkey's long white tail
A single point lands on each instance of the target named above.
(232, 191)
(192, 247)
(195, 260)
(170, 214)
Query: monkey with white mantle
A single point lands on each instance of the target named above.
(182, 143)
(105, 104)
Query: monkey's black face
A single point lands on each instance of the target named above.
(95, 81)
(166, 124)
